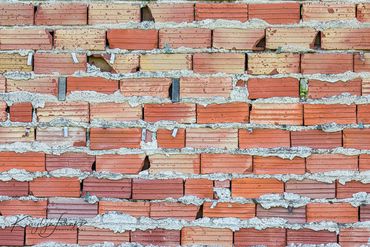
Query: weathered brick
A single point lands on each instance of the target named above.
(74, 111)
(21, 112)
(293, 215)
(316, 139)
(49, 63)
(345, 38)
(113, 13)
(61, 14)
(171, 138)
(255, 187)
(322, 114)
(156, 189)
(272, 87)
(29, 161)
(275, 13)
(311, 188)
(132, 39)
(308, 236)
(38, 235)
(182, 163)
(202, 188)
(98, 84)
(22, 38)
(115, 112)
(337, 212)
(225, 11)
(356, 138)
(204, 87)
(277, 37)
(13, 188)
(172, 12)
(321, 11)
(218, 62)
(363, 114)
(223, 113)
(85, 39)
(12, 236)
(263, 138)
(62, 136)
(113, 138)
(157, 237)
(276, 165)
(330, 162)
(349, 237)
(165, 62)
(71, 208)
(363, 12)
(208, 138)
(41, 85)
(16, 134)
(81, 161)
(50, 187)
(254, 237)
(133, 208)
(14, 62)
(107, 188)
(238, 39)
(273, 63)
(326, 63)
(226, 209)
(349, 188)
(179, 112)
(185, 37)
(90, 235)
(206, 236)
(155, 87)
(162, 210)
(291, 114)
(226, 163)
(321, 89)
(16, 13)
(35, 209)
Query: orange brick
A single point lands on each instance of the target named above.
(85, 39)
(291, 114)
(97, 84)
(115, 112)
(292, 215)
(61, 14)
(349, 188)
(133, 208)
(322, 114)
(328, 11)
(162, 210)
(226, 163)
(308, 236)
(202, 188)
(166, 138)
(75, 111)
(349, 237)
(42, 85)
(61, 234)
(172, 12)
(363, 114)
(326, 63)
(238, 39)
(255, 187)
(268, 237)
(208, 138)
(363, 12)
(16, 13)
(316, 139)
(225, 11)
(21, 112)
(275, 13)
(185, 37)
(182, 163)
(206, 236)
(62, 136)
(165, 62)
(32, 39)
(356, 138)
(345, 38)
(113, 138)
(321, 89)
(35, 209)
(157, 189)
(277, 37)
(263, 138)
(205, 87)
(29, 161)
(364, 162)
(155, 87)
(179, 112)
(80, 161)
(107, 188)
(226, 209)
(276, 165)
(127, 164)
(132, 39)
(330, 162)
(219, 62)
(337, 212)
(113, 13)
(362, 64)
(47, 63)
(273, 63)
(51, 187)
(223, 113)
(273, 87)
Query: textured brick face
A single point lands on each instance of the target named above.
(178, 123)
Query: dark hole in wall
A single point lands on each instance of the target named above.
(146, 165)
(100, 62)
(317, 42)
(146, 14)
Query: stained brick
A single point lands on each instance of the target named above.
(21, 112)
(65, 136)
(292, 215)
(349, 188)
(166, 138)
(263, 138)
(322, 114)
(41, 85)
(71, 208)
(276, 165)
(273, 63)
(226, 209)
(337, 212)
(345, 38)
(185, 37)
(218, 62)
(162, 210)
(74, 111)
(35, 209)
(183, 163)
(133, 208)
(157, 189)
(107, 188)
(132, 39)
(172, 12)
(157, 237)
(225, 11)
(225, 163)
(311, 188)
(90, 235)
(330, 162)
(165, 62)
(16, 134)
(275, 13)
(308, 236)
(316, 139)
(363, 12)
(252, 237)
(321, 89)
(62, 234)
(29, 161)
(277, 37)
(115, 112)
(238, 39)
(12, 236)
(273, 87)
(85, 39)
(62, 63)
(13, 188)
(202, 188)
(50, 187)
(113, 13)
(16, 13)
(255, 187)
(365, 213)
(113, 138)
(155, 87)
(364, 162)
(291, 114)
(361, 62)
(179, 112)
(363, 114)
(223, 113)
(81, 161)
(349, 237)
(191, 87)
(206, 236)
(208, 138)
(61, 14)
(14, 62)
(326, 63)
(328, 11)
(356, 138)
(22, 38)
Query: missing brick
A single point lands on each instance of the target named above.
(174, 90)
(51, 34)
(62, 88)
(101, 62)
(146, 14)
(261, 44)
(246, 62)
(199, 213)
(146, 165)
(93, 166)
(317, 41)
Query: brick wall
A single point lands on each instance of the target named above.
(185, 123)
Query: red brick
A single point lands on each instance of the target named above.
(223, 113)
(219, 62)
(225, 163)
(48, 63)
(337, 212)
(363, 114)
(36, 209)
(133, 208)
(157, 189)
(113, 138)
(12, 236)
(90, 235)
(185, 37)
(80, 161)
(238, 39)
(202, 188)
(364, 212)
(165, 62)
(206, 236)
(179, 112)
(71, 208)
(308, 236)
(21, 38)
(56, 136)
(301, 37)
(275, 13)
(328, 11)
(273, 63)
(330, 162)
(115, 112)
(263, 138)
(273, 87)
(51, 187)
(362, 64)
(326, 63)
(128, 163)
(321, 89)
(345, 38)
(172, 12)
(354, 237)
(21, 112)
(157, 237)
(291, 114)
(73, 111)
(364, 162)
(274, 237)
(97, 84)
(13, 188)
(363, 12)
(155, 87)
(356, 138)
(224, 11)
(107, 188)
(316, 139)
(131, 39)
(113, 13)
(212, 138)
(276, 165)
(61, 14)
(292, 215)
(311, 188)
(166, 138)
(16, 13)
(322, 114)
(42, 85)
(29, 161)
(349, 188)
(16, 134)
(255, 187)
(61, 234)
(226, 209)
(192, 87)
(182, 163)
(162, 210)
